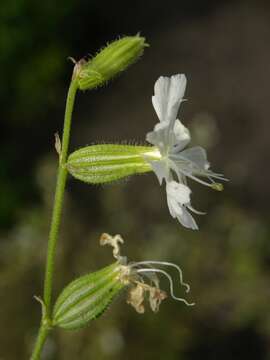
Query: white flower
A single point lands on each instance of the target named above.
(169, 158)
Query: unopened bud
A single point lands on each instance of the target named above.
(111, 60)
(104, 163)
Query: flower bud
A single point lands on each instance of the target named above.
(111, 60)
(99, 164)
(87, 297)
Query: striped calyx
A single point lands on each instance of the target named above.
(104, 163)
(87, 297)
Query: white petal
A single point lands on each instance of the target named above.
(181, 136)
(168, 94)
(174, 208)
(160, 169)
(197, 156)
(187, 220)
(178, 197)
(179, 192)
(159, 136)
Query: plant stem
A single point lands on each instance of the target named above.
(42, 335)
(56, 219)
(58, 200)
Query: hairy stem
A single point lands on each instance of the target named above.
(58, 200)
(56, 218)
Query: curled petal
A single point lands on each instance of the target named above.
(155, 297)
(136, 298)
(113, 241)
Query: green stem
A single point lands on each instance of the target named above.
(56, 217)
(58, 200)
(42, 335)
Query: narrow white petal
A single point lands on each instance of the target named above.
(187, 220)
(159, 100)
(168, 94)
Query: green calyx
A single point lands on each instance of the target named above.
(104, 163)
(110, 61)
(87, 297)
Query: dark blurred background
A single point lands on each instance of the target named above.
(223, 47)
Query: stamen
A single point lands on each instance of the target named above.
(201, 172)
(153, 278)
(216, 176)
(188, 174)
(166, 263)
(195, 178)
(195, 211)
(170, 281)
